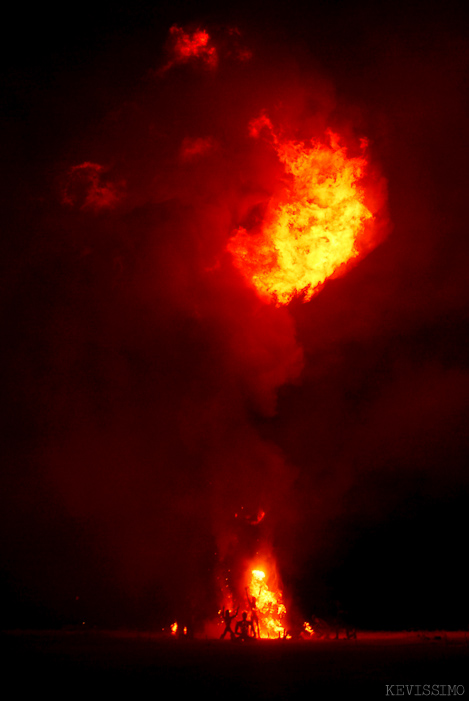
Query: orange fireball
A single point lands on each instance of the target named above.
(313, 228)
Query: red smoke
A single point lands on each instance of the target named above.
(150, 394)
(213, 353)
(200, 48)
(187, 46)
(87, 187)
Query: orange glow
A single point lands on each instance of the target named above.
(174, 628)
(313, 227)
(269, 604)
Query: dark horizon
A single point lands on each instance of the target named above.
(148, 394)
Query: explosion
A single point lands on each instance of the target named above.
(173, 199)
(312, 229)
(176, 417)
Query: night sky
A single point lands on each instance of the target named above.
(149, 395)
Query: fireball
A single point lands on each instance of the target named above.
(312, 229)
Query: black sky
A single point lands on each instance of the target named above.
(145, 400)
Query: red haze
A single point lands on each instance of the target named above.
(182, 328)
(152, 395)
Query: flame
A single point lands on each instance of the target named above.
(258, 575)
(313, 228)
(270, 608)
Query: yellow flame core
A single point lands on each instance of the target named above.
(270, 607)
(313, 230)
(258, 575)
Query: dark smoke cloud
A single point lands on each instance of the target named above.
(151, 395)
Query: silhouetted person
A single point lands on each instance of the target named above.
(243, 627)
(320, 628)
(227, 619)
(338, 618)
(254, 616)
(341, 622)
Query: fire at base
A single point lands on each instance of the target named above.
(313, 228)
(264, 610)
(267, 605)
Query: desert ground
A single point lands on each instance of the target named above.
(74, 663)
